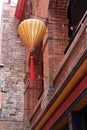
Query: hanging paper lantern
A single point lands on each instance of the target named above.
(32, 32)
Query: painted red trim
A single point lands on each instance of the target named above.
(75, 93)
(20, 9)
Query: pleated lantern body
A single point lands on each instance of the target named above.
(32, 32)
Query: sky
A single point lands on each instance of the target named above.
(13, 3)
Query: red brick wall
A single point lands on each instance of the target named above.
(12, 73)
(36, 89)
(52, 51)
(56, 42)
(50, 54)
(57, 34)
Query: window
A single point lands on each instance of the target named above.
(84, 118)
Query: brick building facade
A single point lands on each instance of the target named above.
(12, 69)
(57, 98)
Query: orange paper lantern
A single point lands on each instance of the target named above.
(32, 32)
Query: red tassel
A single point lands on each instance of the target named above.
(31, 68)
